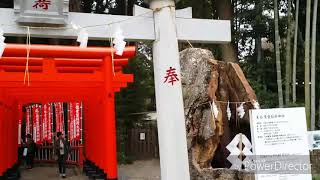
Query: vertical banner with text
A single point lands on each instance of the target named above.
(28, 124)
(19, 123)
(49, 122)
(36, 120)
(45, 122)
(59, 117)
(71, 121)
(75, 117)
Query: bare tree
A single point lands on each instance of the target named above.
(294, 68)
(277, 46)
(288, 55)
(307, 64)
(313, 65)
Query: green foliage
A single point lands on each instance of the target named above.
(139, 96)
(316, 177)
(132, 102)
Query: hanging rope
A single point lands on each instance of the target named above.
(112, 56)
(26, 72)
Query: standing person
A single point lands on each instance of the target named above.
(62, 150)
(29, 150)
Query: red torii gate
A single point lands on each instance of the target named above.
(64, 73)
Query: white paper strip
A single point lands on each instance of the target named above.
(229, 111)
(241, 111)
(214, 109)
(119, 43)
(83, 37)
(256, 105)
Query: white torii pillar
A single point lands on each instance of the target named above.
(169, 100)
(165, 27)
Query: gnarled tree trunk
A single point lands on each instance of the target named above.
(205, 81)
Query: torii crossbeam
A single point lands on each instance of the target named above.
(165, 26)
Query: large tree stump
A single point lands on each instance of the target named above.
(206, 80)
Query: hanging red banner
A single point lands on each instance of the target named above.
(34, 128)
(28, 124)
(49, 122)
(19, 123)
(71, 121)
(36, 124)
(45, 122)
(59, 117)
(77, 119)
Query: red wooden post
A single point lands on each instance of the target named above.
(1, 136)
(6, 132)
(109, 120)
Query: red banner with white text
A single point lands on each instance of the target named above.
(75, 117)
(59, 117)
(78, 120)
(36, 121)
(45, 122)
(28, 122)
(19, 123)
(49, 122)
(71, 121)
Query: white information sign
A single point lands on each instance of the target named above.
(142, 136)
(280, 144)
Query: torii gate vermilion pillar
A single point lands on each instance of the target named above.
(64, 73)
(165, 27)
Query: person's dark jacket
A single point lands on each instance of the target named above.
(66, 147)
(31, 147)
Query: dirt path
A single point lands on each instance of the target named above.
(140, 170)
(49, 173)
